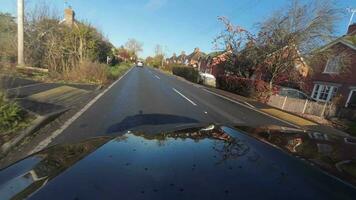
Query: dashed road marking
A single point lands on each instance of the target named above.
(157, 77)
(185, 97)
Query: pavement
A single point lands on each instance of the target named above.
(41, 98)
(152, 101)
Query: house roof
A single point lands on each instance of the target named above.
(348, 40)
(196, 55)
(215, 53)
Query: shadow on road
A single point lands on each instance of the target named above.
(149, 119)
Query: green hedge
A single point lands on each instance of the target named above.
(188, 73)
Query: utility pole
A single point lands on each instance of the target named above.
(20, 33)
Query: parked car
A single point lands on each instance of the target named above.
(293, 93)
(207, 79)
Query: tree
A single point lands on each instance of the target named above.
(232, 38)
(282, 41)
(159, 55)
(134, 47)
(8, 44)
(123, 53)
(287, 36)
(241, 58)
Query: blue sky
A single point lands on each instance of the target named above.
(179, 25)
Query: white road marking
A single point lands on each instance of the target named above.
(249, 104)
(205, 112)
(157, 77)
(184, 97)
(254, 109)
(49, 139)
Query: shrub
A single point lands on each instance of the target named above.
(87, 72)
(256, 89)
(238, 85)
(116, 71)
(188, 73)
(10, 114)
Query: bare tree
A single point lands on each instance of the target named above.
(134, 46)
(233, 37)
(287, 36)
(241, 56)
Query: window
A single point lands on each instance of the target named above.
(351, 102)
(324, 92)
(332, 66)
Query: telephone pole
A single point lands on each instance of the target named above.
(20, 33)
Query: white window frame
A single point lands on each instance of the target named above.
(349, 98)
(327, 64)
(321, 87)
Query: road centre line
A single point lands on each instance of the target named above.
(157, 77)
(184, 97)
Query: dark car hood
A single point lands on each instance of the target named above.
(197, 163)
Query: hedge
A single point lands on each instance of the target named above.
(257, 89)
(188, 73)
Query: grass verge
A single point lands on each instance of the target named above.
(114, 72)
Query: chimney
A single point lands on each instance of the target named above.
(196, 50)
(352, 29)
(69, 15)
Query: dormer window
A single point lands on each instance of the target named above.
(333, 65)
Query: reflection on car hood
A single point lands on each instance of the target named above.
(197, 163)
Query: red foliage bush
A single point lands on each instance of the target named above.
(256, 89)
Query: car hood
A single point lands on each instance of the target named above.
(214, 162)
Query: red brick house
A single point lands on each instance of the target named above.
(213, 63)
(335, 76)
(195, 58)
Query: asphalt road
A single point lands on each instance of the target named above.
(151, 101)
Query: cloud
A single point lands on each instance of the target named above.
(153, 5)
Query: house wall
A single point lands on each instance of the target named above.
(346, 79)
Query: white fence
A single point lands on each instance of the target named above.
(303, 106)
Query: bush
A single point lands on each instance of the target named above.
(87, 72)
(116, 71)
(256, 89)
(167, 68)
(188, 73)
(10, 114)
(238, 85)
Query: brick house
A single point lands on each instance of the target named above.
(182, 58)
(213, 63)
(172, 60)
(195, 59)
(335, 76)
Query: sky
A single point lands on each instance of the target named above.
(178, 25)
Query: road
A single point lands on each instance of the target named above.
(151, 101)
